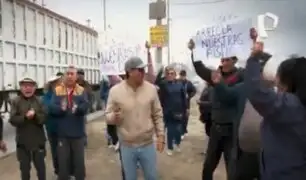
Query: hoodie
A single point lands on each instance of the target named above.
(283, 130)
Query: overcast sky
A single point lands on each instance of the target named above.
(129, 18)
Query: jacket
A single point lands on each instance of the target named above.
(283, 128)
(69, 124)
(174, 100)
(190, 91)
(51, 121)
(30, 133)
(222, 113)
(205, 104)
(104, 90)
(142, 115)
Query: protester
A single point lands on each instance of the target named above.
(51, 121)
(245, 164)
(283, 134)
(70, 105)
(190, 92)
(174, 102)
(28, 116)
(223, 115)
(204, 103)
(138, 116)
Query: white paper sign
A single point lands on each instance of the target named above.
(113, 58)
(223, 40)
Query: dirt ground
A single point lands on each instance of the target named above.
(103, 163)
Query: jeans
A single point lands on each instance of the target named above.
(173, 134)
(145, 155)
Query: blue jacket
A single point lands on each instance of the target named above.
(70, 125)
(283, 129)
(51, 121)
(173, 97)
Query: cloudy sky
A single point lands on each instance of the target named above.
(129, 18)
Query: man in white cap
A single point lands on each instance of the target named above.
(138, 117)
(28, 116)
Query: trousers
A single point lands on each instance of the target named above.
(220, 141)
(52, 137)
(145, 156)
(248, 166)
(112, 132)
(71, 157)
(25, 157)
(174, 131)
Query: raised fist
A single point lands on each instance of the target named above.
(191, 44)
(253, 34)
(147, 45)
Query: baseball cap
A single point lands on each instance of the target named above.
(134, 63)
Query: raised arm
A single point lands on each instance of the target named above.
(264, 99)
(201, 69)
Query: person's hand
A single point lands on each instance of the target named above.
(3, 147)
(30, 114)
(253, 34)
(160, 144)
(257, 48)
(64, 105)
(216, 77)
(74, 107)
(117, 115)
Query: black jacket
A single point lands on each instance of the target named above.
(30, 133)
(221, 113)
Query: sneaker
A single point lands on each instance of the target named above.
(110, 146)
(116, 147)
(182, 137)
(71, 178)
(169, 152)
(178, 149)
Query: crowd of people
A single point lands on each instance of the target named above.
(257, 122)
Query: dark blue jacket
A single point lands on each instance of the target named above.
(104, 90)
(283, 129)
(173, 97)
(51, 121)
(70, 125)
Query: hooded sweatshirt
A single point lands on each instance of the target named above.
(283, 130)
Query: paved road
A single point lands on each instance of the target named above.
(102, 163)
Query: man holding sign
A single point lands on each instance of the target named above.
(223, 115)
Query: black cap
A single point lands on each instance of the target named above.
(80, 72)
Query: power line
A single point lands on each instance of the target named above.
(198, 2)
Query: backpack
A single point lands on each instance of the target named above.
(249, 129)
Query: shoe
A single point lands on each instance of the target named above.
(110, 146)
(182, 137)
(116, 147)
(178, 149)
(169, 152)
(71, 178)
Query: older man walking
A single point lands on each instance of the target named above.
(138, 116)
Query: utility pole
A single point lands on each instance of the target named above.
(159, 50)
(104, 21)
(168, 27)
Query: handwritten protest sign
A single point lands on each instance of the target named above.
(113, 58)
(223, 40)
